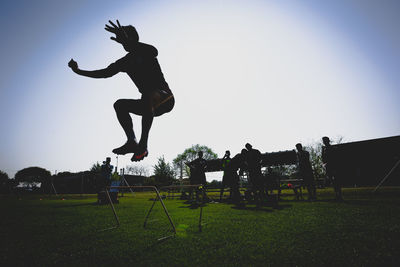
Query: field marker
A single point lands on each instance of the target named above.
(198, 186)
(148, 214)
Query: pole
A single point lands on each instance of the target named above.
(122, 180)
(52, 185)
(148, 213)
(165, 209)
(126, 182)
(181, 179)
(113, 210)
(387, 175)
(82, 186)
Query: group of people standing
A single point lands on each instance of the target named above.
(306, 172)
(250, 160)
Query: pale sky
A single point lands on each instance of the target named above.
(272, 73)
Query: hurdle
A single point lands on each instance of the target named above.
(117, 222)
(197, 186)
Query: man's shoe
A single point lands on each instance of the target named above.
(139, 157)
(128, 147)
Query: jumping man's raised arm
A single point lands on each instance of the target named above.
(102, 73)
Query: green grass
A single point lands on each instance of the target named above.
(362, 231)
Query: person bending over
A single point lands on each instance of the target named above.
(141, 65)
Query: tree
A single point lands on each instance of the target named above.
(215, 184)
(137, 170)
(96, 167)
(115, 177)
(32, 175)
(189, 155)
(315, 150)
(4, 182)
(149, 181)
(163, 172)
(283, 171)
(3, 176)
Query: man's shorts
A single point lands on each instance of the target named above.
(165, 103)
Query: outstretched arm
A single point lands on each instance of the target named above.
(102, 73)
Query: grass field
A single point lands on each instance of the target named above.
(364, 230)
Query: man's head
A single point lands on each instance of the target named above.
(227, 153)
(326, 140)
(299, 147)
(248, 146)
(132, 38)
(108, 160)
(200, 154)
(125, 35)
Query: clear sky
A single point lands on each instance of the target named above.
(272, 73)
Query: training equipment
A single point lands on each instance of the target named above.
(147, 216)
(197, 186)
(157, 198)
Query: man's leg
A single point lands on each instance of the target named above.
(147, 121)
(148, 101)
(190, 194)
(338, 190)
(236, 191)
(154, 104)
(314, 191)
(122, 108)
(221, 193)
(309, 190)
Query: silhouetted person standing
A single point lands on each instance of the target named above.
(227, 176)
(306, 171)
(106, 171)
(272, 182)
(253, 161)
(197, 172)
(237, 163)
(142, 66)
(330, 167)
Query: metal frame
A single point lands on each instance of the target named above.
(199, 186)
(387, 175)
(148, 214)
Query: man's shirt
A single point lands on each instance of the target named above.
(143, 68)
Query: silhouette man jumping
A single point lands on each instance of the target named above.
(142, 66)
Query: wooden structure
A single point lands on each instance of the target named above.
(365, 163)
(287, 157)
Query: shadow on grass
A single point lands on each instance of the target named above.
(194, 204)
(244, 207)
(271, 207)
(360, 202)
(78, 205)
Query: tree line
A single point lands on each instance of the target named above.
(164, 173)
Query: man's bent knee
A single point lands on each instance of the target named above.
(122, 105)
(118, 105)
